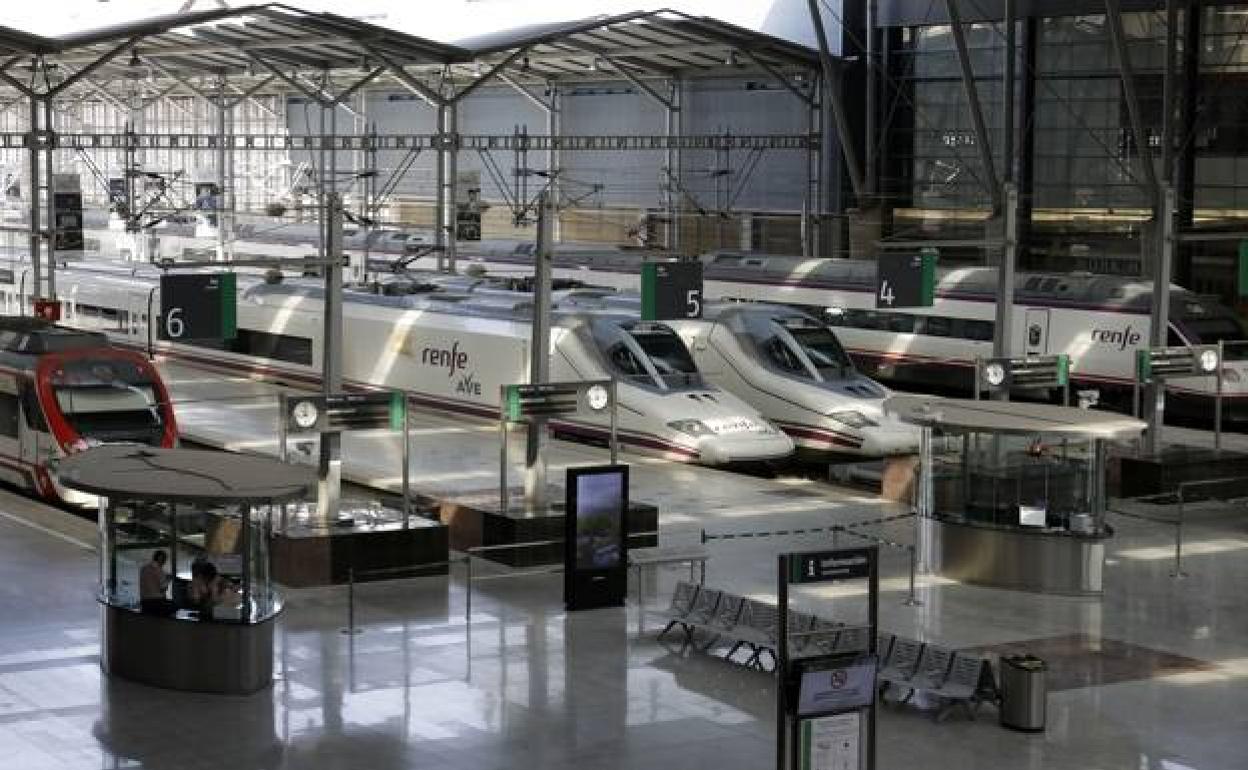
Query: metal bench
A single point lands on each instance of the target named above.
(970, 682)
(696, 555)
(683, 599)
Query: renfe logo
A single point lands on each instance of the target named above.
(1118, 337)
(454, 359)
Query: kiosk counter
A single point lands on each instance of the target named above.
(1015, 497)
(185, 587)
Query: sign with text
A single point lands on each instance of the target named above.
(821, 566)
(345, 412)
(551, 399)
(198, 306)
(905, 280)
(671, 290)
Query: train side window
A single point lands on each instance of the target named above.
(902, 323)
(980, 331)
(8, 415)
(31, 410)
(937, 326)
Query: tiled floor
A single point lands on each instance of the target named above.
(1152, 677)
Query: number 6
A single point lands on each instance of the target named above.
(174, 325)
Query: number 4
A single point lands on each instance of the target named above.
(886, 293)
(693, 303)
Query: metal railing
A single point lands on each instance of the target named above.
(835, 530)
(1225, 490)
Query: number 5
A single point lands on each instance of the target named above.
(174, 325)
(693, 303)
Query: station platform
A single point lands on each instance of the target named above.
(1152, 675)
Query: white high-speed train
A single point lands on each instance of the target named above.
(449, 352)
(789, 366)
(1099, 321)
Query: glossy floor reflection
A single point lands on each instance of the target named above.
(1153, 677)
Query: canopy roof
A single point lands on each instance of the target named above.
(270, 39)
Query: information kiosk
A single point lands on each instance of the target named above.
(1012, 494)
(185, 584)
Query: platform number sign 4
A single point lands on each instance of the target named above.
(905, 280)
(198, 306)
(671, 291)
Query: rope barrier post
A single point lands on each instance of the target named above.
(912, 600)
(350, 630)
(1178, 540)
(468, 587)
(1217, 400)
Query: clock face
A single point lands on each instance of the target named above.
(597, 397)
(305, 414)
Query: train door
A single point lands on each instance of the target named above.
(35, 440)
(1036, 331)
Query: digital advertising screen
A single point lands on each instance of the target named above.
(600, 520)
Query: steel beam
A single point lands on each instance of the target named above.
(1118, 37)
(834, 96)
(976, 109)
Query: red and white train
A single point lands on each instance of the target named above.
(63, 390)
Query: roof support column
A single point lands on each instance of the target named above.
(554, 127)
(223, 244)
(35, 213)
(834, 98)
(49, 160)
(812, 199)
(450, 140)
(675, 179)
(439, 194)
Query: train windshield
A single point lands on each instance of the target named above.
(109, 400)
(822, 348)
(648, 354)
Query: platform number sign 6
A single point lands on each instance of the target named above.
(197, 306)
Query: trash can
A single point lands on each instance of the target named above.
(1024, 693)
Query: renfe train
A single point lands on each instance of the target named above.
(789, 366)
(63, 390)
(451, 353)
(1099, 321)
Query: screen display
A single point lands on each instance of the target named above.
(599, 520)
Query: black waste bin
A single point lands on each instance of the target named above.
(1024, 693)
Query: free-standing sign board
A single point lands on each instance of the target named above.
(671, 290)
(905, 280)
(825, 704)
(198, 306)
(596, 546)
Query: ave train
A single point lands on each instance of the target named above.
(449, 353)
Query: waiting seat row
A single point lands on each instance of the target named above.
(753, 625)
(949, 677)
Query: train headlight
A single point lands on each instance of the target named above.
(853, 419)
(994, 373)
(694, 428)
(1209, 361)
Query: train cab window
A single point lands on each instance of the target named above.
(780, 354)
(108, 401)
(9, 414)
(667, 353)
(1174, 339)
(625, 361)
(901, 323)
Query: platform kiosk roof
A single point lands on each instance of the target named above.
(952, 415)
(183, 476)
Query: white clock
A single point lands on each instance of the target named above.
(994, 373)
(305, 414)
(1208, 360)
(597, 397)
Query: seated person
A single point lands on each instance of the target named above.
(209, 588)
(153, 582)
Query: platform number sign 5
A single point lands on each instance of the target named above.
(198, 306)
(905, 280)
(671, 291)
